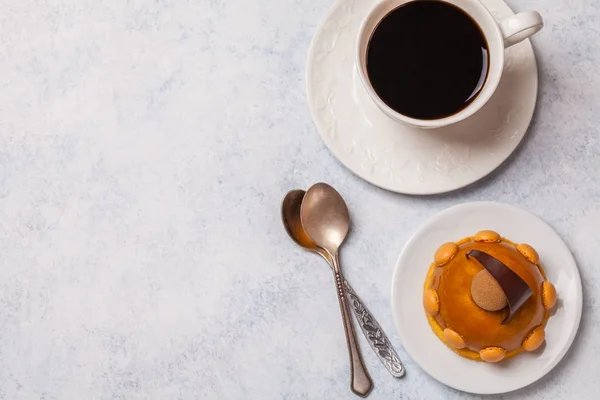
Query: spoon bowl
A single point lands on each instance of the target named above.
(325, 218)
(290, 215)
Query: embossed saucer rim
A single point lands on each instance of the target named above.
(437, 166)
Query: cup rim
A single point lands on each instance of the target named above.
(489, 85)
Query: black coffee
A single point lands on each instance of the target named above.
(427, 59)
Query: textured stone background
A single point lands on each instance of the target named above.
(145, 146)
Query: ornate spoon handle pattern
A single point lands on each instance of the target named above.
(374, 334)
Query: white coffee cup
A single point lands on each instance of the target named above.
(499, 36)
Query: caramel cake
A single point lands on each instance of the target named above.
(487, 298)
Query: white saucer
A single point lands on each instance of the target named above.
(403, 159)
(427, 350)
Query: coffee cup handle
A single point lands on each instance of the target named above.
(520, 26)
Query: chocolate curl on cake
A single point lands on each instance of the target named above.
(515, 289)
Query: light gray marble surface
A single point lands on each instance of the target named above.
(145, 146)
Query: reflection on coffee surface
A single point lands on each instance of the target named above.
(427, 59)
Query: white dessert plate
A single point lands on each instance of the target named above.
(394, 156)
(427, 350)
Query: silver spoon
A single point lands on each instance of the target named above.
(325, 219)
(290, 215)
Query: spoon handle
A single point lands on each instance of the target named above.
(374, 334)
(361, 383)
